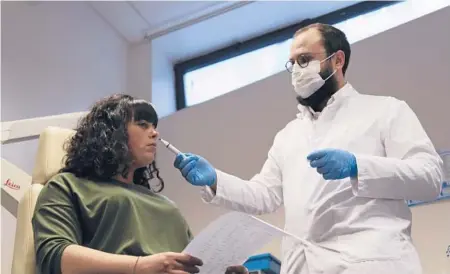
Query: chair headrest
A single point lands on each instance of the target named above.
(50, 153)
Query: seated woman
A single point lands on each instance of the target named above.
(100, 214)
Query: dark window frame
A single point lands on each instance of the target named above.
(277, 36)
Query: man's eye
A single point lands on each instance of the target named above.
(303, 59)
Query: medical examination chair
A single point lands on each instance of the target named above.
(49, 159)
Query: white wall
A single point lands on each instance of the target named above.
(61, 51)
(57, 57)
(163, 80)
(139, 71)
(235, 131)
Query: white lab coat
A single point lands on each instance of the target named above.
(358, 226)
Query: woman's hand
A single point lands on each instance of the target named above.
(236, 269)
(168, 263)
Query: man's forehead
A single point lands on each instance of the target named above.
(307, 41)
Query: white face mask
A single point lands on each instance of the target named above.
(307, 80)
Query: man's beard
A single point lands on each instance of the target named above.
(319, 99)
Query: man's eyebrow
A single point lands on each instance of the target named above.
(305, 54)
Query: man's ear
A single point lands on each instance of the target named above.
(340, 59)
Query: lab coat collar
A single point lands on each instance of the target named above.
(337, 98)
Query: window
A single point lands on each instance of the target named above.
(387, 18)
(261, 57)
(201, 85)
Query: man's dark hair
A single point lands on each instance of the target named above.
(99, 148)
(333, 40)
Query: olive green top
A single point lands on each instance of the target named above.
(111, 216)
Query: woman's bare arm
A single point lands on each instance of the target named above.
(79, 259)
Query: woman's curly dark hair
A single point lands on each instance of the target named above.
(99, 148)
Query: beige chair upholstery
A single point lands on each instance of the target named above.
(49, 160)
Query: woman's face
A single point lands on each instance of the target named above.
(142, 137)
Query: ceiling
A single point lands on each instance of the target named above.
(135, 20)
(238, 25)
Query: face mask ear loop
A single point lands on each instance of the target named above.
(331, 75)
(327, 58)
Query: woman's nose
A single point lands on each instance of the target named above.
(154, 133)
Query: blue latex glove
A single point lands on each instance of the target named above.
(334, 164)
(196, 169)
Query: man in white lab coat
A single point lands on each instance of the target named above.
(342, 169)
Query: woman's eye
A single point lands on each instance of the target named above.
(143, 124)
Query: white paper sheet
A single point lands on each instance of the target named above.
(230, 240)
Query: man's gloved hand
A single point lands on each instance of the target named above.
(334, 164)
(196, 169)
